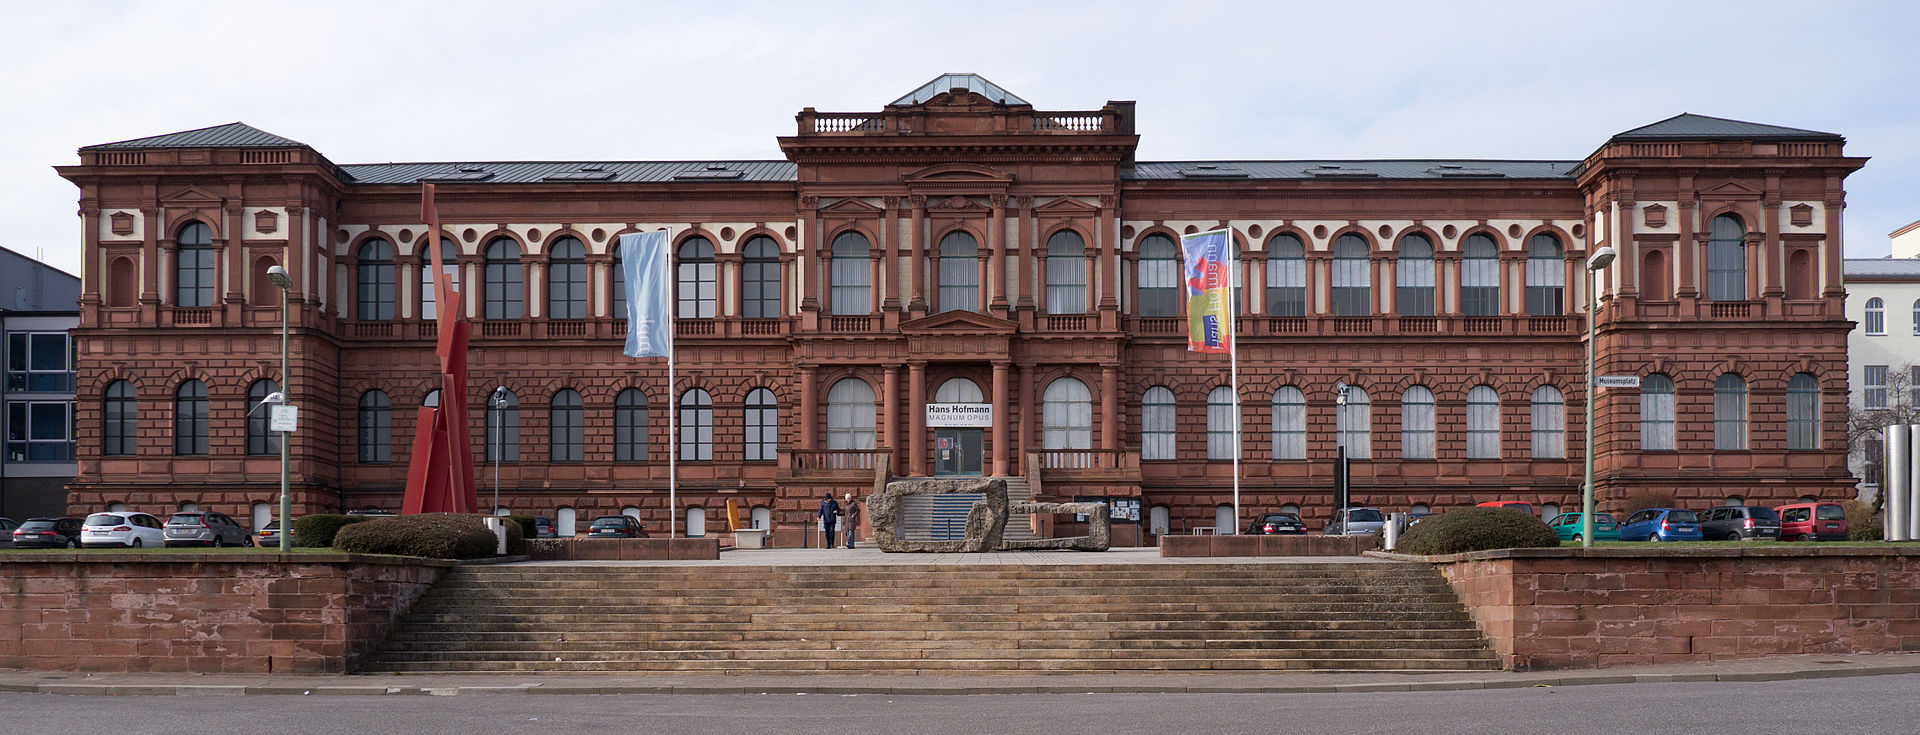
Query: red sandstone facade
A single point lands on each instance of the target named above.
(972, 159)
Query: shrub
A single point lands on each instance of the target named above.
(1477, 529)
(318, 530)
(1863, 521)
(432, 535)
(526, 527)
(1643, 499)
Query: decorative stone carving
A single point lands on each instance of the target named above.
(1099, 527)
(985, 522)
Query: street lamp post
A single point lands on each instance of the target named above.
(278, 275)
(1601, 259)
(1342, 488)
(498, 403)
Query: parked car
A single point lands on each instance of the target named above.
(1568, 527)
(1740, 523)
(372, 512)
(543, 528)
(1355, 522)
(47, 533)
(268, 535)
(1519, 505)
(131, 529)
(202, 528)
(616, 527)
(1273, 523)
(6, 532)
(1812, 522)
(1661, 524)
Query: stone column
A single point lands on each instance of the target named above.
(1110, 407)
(809, 253)
(889, 406)
(809, 408)
(917, 419)
(889, 230)
(996, 284)
(916, 275)
(876, 287)
(1000, 418)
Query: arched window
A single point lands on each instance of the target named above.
(850, 415)
(763, 426)
(1159, 280)
(1483, 423)
(566, 522)
(1916, 316)
(1286, 276)
(450, 263)
(1417, 423)
(122, 288)
(1803, 412)
(1727, 260)
(696, 522)
(376, 428)
(1159, 520)
(1352, 277)
(190, 418)
(1480, 277)
(503, 427)
(567, 432)
(696, 280)
(1546, 276)
(1289, 423)
(1656, 413)
(630, 426)
(1066, 415)
(1413, 275)
(959, 390)
(761, 517)
(432, 400)
(1353, 424)
(1876, 321)
(376, 281)
(1224, 524)
(264, 292)
(567, 279)
(261, 514)
(696, 426)
(505, 290)
(1801, 275)
(1066, 273)
(122, 424)
(760, 279)
(1653, 276)
(1730, 413)
(1157, 424)
(1221, 414)
(1421, 508)
(849, 275)
(261, 440)
(193, 282)
(959, 272)
(1549, 423)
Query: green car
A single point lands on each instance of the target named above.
(1567, 527)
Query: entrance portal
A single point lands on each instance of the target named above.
(957, 451)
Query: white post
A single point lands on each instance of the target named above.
(673, 406)
(1896, 486)
(1910, 492)
(1233, 366)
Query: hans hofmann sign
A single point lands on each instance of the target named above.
(959, 414)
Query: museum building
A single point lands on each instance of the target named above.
(962, 284)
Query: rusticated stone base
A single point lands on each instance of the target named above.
(985, 522)
(1099, 527)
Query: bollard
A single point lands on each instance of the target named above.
(1390, 533)
(1896, 487)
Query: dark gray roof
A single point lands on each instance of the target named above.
(948, 82)
(230, 135)
(1351, 170)
(1880, 268)
(1689, 126)
(32, 286)
(527, 172)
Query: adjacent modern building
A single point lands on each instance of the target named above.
(39, 304)
(962, 283)
(1883, 301)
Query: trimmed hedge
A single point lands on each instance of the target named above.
(432, 535)
(318, 530)
(1477, 529)
(1864, 522)
(526, 526)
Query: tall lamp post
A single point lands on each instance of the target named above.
(1342, 488)
(278, 275)
(498, 404)
(1601, 258)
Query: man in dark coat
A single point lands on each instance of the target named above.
(829, 512)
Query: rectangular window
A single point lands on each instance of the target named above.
(40, 432)
(1159, 287)
(1290, 425)
(1352, 287)
(1726, 271)
(850, 287)
(1417, 427)
(1480, 286)
(1873, 393)
(1913, 385)
(1066, 284)
(761, 293)
(1287, 287)
(1546, 278)
(39, 362)
(1414, 296)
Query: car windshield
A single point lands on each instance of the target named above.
(1829, 513)
(1683, 516)
(105, 520)
(604, 522)
(271, 526)
(1280, 518)
(39, 525)
(1364, 515)
(185, 519)
(1764, 514)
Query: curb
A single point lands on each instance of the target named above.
(973, 687)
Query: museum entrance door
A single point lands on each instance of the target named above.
(957, 451)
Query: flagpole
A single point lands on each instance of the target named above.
(1233, 365)
(673, 406)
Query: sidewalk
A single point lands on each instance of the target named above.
(1777, 668)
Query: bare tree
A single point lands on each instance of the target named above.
(1866, 427)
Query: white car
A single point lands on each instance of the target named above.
(122, 528)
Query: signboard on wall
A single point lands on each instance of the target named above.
(948, 415)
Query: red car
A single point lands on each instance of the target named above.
(1812, 522)
(1519, 505)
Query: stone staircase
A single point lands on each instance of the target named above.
(958, 619)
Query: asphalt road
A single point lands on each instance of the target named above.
(1877, 704)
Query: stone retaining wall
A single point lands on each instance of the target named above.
(1559, 608)
(236, 612)
(624, 549)
(1275, 545)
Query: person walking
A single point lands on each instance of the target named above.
(851, 509)
(829, 512)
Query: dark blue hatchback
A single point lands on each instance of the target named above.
(1661, 524)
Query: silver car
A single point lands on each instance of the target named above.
(1355, 522)
(202, 528)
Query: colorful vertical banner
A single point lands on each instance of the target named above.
(1208, 258)
(643, 255)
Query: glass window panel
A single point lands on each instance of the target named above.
(376, 428)
(695, 282)
(505, 290)
(1354, 424)
(1546, 276)
(1157, 424)
(260, 439)
(1286, 276)
(1483, 423)
(1413, 277)
(1220, 423)
(1730, 413)
(503, 428)
(1352, 277)
(630, 426)
(959, 272)
(761, 276)
(1803, 412)
(1656, 413)
(376, 281)
(449, 262)
(763, 426)
(1289, 423)
(122, 420)
(1549, 423)
(1873, 393)
(567, 279)
(1417, 423)
(696, 426)
(1066, 273)
(1876, 321)
(1066, 415)
(1159, 282)
(1480, 277)
(190, 418)
(850, 415)
(1727, 260)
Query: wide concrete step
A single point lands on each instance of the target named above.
(971, 652)
(1120, 637)
(1007, 600)
(1174, 627)
(1229, 647)
(906, 667)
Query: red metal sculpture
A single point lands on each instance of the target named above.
(440, 474)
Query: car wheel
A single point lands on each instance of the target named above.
(217, 543)
(136, 544)
(1577, 538)
(72, 544)
(1653, 538)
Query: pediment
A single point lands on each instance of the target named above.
(958, 321)
(950, 173)
(1730, 187)
(191, 196)
(1065, 205)
(850, 205)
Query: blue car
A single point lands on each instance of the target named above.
(1661, 524)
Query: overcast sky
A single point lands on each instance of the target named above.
(458, 81)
